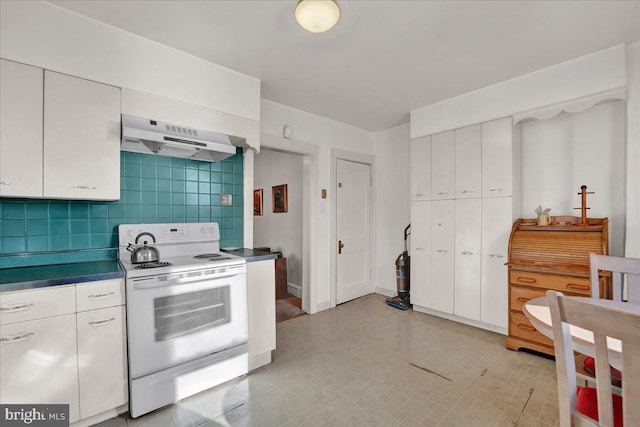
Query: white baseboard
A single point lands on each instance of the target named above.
(98, 418)
(323, 306)
(386, 292)
(294, 289)
(259, 360)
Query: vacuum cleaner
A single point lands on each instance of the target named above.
(402, 299)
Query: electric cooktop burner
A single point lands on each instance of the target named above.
(205, 256)
(155, 264)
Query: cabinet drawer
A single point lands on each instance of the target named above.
(519, 296)
(36, 304)
(102, 294)
(519, 326)
(574, 285)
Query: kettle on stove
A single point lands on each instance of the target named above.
(142, 254)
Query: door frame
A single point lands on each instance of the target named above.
(367, 159)
(309, 154)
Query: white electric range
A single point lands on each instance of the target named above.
(187, 326)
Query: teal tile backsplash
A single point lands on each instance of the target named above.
(153, 189)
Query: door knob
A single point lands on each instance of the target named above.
(340, 246)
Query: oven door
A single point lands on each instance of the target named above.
(175, 318)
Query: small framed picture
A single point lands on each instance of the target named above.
(257, 202)
(279, 198)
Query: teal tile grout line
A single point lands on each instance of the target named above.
(154, 189)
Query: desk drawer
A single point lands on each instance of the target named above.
(101, 294)
(519, 326)
(518, 296)
(576, 285)
(25, 305)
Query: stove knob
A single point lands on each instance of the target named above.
(203, 230)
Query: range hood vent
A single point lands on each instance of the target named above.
(165, 139)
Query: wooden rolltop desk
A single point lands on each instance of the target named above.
(547, 257)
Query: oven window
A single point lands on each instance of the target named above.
(183, 314)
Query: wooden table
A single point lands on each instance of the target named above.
(537, 311)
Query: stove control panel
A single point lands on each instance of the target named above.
(170, 233)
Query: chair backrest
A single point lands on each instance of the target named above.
(619, 267)
(604, 320)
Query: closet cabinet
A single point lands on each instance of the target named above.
(467, 258)
(443, 166)
(442, 256)
(421, 169)
(468, 162)
(420, 252)
(81, 139)
(21, 89)
(498, 153)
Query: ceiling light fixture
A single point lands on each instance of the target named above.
(317, 16)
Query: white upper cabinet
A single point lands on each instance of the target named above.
(421, 169)
(468, 162)
(21, 89)
(420, 251)
(497, 158)
(81, 139)
(468, 258)
(443, 166)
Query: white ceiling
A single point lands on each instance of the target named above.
(384, 58)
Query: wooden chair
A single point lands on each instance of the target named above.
(583, 406)
(618, 267)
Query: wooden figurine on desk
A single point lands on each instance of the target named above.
(583, 192)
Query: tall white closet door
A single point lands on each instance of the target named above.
(443, 166)
(497, 158)
(497, 220)
(421, 169)
(420, 252)
(468, 149)
(467, 258)
(442, 256)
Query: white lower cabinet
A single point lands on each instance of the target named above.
(102, 360)
(53, 352)
(442, 256)
(38, 362)
(261, 295)
(467, 258)
(497, 219)
(420, 251)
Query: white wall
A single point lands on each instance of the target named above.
(565, 152)
(393, 194)
(42, 34)
(280, 231)
(323, 134)
(633, 151)
(589, 74)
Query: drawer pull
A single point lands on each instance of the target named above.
(419, 249)
(493, 190)
(15, 307)
(526, 327)
(23, 336)
(96, 323)
(466, 253)
(527, 279)
(467, 191)
(496, 256)
(442, 193)
(578, 286)
(442, 251)
(523, 299)
(419, 194)
(101, 295)
(84, 187)
(3, 182)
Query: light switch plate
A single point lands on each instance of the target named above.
(226, 200)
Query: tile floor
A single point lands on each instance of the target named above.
(366, 364)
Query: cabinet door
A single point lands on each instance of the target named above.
(20, 130)
(442, 259)
(81, 139)
(261, 296)
(443, 166)
(102, 356)
(39, 364)
(497, 160)
(421, 169)
(497, 221)
(468, 258)
(420, 252)
(468, 162)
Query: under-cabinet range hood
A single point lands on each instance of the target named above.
(171, 140)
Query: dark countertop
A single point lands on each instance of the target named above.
(21, 278)
(251, 255)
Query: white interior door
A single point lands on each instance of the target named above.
(353, 230)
